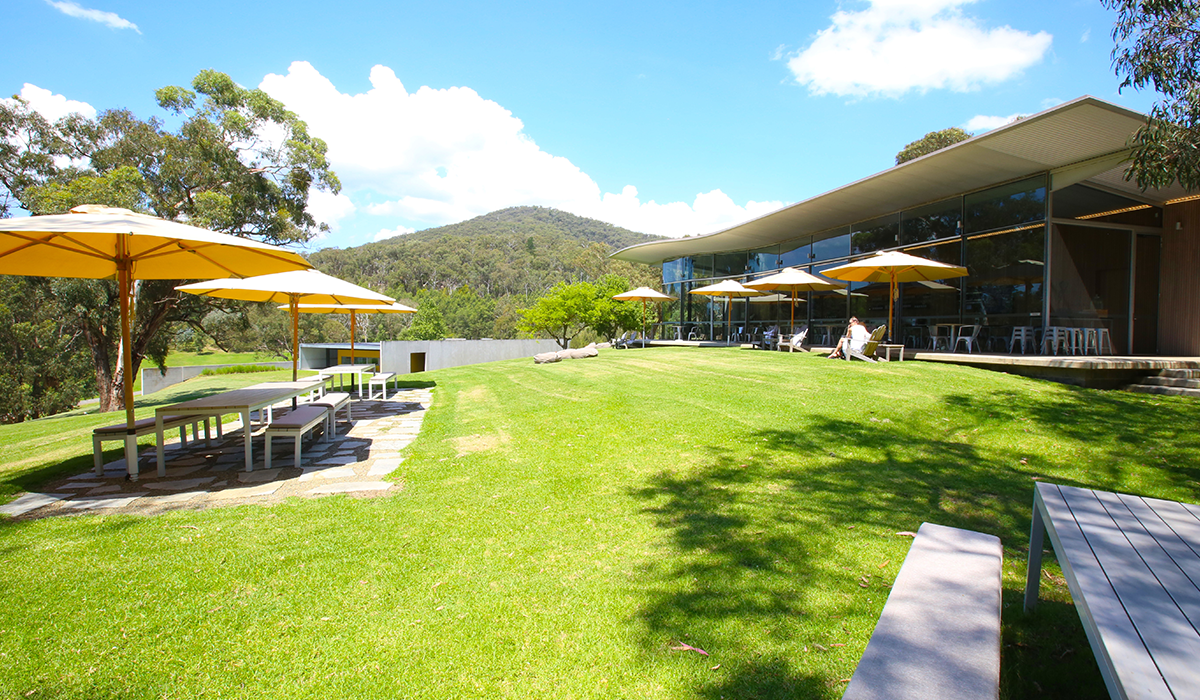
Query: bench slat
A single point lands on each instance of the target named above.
(939, 633)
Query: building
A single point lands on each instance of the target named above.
(1038, 211)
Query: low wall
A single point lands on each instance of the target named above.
(394, 355)
(154, 380)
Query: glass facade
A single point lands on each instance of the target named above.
(1088, 273)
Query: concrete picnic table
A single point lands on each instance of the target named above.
(241, 401)
(353, 371)
(1132, 565)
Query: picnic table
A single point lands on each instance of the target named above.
(1132, 565)
(351, 370)
(241, 401)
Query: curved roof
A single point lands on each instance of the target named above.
(1085, 139)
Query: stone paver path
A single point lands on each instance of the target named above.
(352, 462)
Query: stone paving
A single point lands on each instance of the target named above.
(352, 462)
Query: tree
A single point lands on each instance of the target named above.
(933, 141)
(219, 171)
(611, 317)
(427, 324)
(562, 312)
(1158, 46)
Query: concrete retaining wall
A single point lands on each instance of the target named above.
(395, 355)
(153, 380)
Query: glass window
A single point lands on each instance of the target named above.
(1083, 202)
(764, 259)
(836, 245)
(702, 266)
(1005, 285)
(1008, 205)
(725, 264)
(828, 308)
(931, 222)
(677, 270)
(795, 253)
(876, 234)
(924, 304)
(1091, 280)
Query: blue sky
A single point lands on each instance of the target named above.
(667, 118)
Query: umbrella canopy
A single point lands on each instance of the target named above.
(775, 299)
(310, 285)
(353, 310)
(793, 280)
(728, 289)
(894, 267)
(645, 294)
(96, 242)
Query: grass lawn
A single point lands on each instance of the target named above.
(209, 357)
(562, 527)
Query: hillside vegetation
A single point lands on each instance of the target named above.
(517, 251)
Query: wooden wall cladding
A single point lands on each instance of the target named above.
(1179, 293)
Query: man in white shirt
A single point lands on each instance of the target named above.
(855, 339)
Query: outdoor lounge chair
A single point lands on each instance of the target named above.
(868, 351)
(795, 341)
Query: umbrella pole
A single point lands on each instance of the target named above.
(294, 308)
(131, 465)
(351, 336)
(643, 323)
(728, 304)
(891, 298)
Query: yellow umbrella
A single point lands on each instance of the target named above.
(310, 285)
(353, 310)
(645, 294)
(894, 267)
(97, 242)
(728, 289)
(793, 280)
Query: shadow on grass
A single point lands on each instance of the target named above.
(742, 547)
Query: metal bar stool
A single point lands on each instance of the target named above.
(1023, 335)
(1103, 338)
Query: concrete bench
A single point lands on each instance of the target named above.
(294, 425)
(939, 634)
(333, 403)
(146, 426)
(382, 380)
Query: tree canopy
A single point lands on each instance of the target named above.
(568, 309)
(1157, 45)
(933, 141)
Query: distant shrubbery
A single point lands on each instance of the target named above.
(238, 369)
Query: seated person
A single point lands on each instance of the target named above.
(855, 339)
(770, 337)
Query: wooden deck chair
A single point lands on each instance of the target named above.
(868, 351)
(797, 341)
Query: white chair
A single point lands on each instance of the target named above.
(1103, 339)
(968, 335)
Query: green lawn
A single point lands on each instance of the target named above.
(561, 527)
(210, 357)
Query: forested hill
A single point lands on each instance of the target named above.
(521, 252)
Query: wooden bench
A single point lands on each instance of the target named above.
(332, 403)
(295, 424)
(382, 380)
(939, 634)
(146, 426)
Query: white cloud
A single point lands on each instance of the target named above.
(444, 155)
(329, 208)
(983, 122)
(895, 46)
(392, 233)
(1087, 34)
(109, 19)
(54, 107)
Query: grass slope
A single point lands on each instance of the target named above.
(562, 527)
